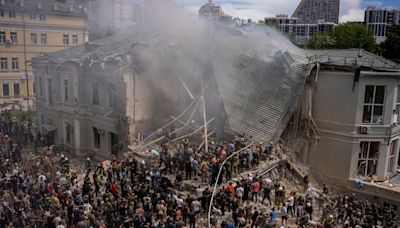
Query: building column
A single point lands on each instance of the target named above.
(382, 161)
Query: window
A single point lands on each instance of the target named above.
(16, 89)
(13, 36)
(2, 37)
(42, 17)
(96, 138)
(373, 104)
(95, 94)
(33, 16)
(66, 90)
(75, 39)
(111, 96)
(392, 156)
(33, 38)
(66, 39)
(6, 89)
(15, 65)
(43, 38)
(3, 63)
(2, 13)
(368, 159)
(12, 14)
(40, 87)
(50, 90)
(67, 127)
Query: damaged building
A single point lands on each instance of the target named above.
(125, 87)
(336, 110)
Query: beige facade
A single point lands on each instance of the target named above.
(30, 29)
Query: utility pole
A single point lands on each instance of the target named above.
(25, 61)
(204, 118)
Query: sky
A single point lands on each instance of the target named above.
(350, 10)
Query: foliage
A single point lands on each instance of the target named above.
(319, 41)
(346, 35)
(391, 47)
(23, 115)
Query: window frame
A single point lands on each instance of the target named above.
(96, 138)
(8, 89)
(364, 161)
(12, 14)
(3, 37)
(19, 89)
(3, 63)
(65, 90)
(66, 39)
(74, 39)
(67, 133)
(392, 164)
(373, 106)
(14, 37)
(42, 17)
(43, 38)
(33, 38)
(15, 63)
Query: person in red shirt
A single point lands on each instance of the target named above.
(255, 188)
(114, 189)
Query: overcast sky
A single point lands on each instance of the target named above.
(351, 10)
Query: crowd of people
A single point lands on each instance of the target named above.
(137, 193)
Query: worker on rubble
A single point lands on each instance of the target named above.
(66, 165)
(88, 165)
(101, 171)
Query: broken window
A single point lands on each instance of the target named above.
(392, 156)
(373, 104)
(66, 90)
(95, 94)
(368, 159)
(96, 138)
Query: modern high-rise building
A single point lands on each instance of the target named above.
(380, 20)
(312, 11)
(30, 28)
(301, 32)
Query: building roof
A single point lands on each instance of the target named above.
(352, 57)
(46, 6)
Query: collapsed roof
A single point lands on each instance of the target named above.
(255, 75)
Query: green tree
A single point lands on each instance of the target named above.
(320, 41)
(391, 46)
(346, 35)
(352, 35)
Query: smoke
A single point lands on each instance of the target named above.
(173, 50)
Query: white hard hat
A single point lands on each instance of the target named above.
(62, 155)
(88, 159)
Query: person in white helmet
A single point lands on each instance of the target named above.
(88, 165)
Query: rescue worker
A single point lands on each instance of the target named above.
(88, 165)
(100, 171)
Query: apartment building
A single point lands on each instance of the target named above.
(380, 20)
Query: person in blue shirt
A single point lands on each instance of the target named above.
(272, 216)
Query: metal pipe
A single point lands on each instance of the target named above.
(216, 181)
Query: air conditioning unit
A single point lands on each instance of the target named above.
(364, 129)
